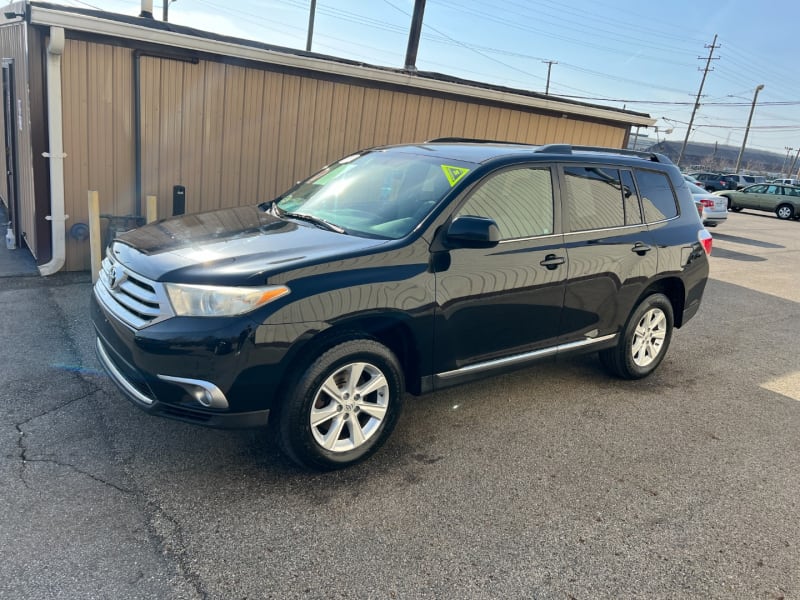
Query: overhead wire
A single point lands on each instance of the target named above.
(673, 45)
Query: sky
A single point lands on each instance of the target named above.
(642, 56)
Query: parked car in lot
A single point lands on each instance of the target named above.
(785, 181)
(715, 182)
(413, 267)
(691, 179)
(714, 207)
(742, 181)
(783, 200)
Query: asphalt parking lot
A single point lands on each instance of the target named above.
(551, 482)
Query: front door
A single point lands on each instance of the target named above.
(503, 301)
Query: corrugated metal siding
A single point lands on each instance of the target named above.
(98, 136)
(235, 135)
(13, 45)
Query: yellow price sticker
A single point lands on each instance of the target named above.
(454, 174)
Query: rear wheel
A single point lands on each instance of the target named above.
(644, 341)
(343, 406)
(785, 211)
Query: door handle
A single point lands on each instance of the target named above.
(551, 261)
(641, 249)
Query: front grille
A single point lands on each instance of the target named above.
(133, 299)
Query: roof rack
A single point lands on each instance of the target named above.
(568, 149)
(651, 156)
(473, 141)
(561, 148)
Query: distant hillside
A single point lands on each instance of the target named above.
(723, 158)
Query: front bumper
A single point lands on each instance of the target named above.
(203, 372)
(137, 391)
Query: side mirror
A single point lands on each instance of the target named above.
(472, 232)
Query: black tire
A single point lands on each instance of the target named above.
(349, 427)
(736, 208)
(644, 340)
(785, 212)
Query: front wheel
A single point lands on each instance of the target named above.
(343, 406)
(644, 341)
(785, 211)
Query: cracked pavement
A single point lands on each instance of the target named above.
(551, 482)
(74, 524)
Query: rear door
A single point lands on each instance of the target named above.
(506, 300)
(772, 196)
(610, 250)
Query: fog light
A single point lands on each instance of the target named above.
(203, 396)
(206, 393)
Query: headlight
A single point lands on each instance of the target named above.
(215, 301)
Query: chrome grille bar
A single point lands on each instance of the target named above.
(133, 299)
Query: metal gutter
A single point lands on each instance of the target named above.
(86, 23)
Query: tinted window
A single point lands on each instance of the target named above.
(658, 199)
(594, 198)
(633, 212)
(520, 201)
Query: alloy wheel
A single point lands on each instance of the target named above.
(349, 407)
(648, 339)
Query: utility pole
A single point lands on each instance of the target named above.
(794, 162)
(786, 160)
(711, 48)
(311, 12)
(414, 34)
(747, 129)
(166, 9)
(550, 64)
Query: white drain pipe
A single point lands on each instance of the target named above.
(56, 154)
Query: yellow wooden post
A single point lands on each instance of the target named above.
(95, 236)
(152, 209)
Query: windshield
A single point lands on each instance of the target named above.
(376, 194)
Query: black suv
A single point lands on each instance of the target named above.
(403, 268)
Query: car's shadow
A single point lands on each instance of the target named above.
(742, 240)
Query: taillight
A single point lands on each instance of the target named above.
(706, 202)
(705, 239)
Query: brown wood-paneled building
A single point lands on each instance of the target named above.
(131, 106)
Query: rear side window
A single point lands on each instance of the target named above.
(594, 198)
(658, 198)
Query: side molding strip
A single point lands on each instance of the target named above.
(521, 358)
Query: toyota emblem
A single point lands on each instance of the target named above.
(116, 277)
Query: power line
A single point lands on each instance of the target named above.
(711, 48)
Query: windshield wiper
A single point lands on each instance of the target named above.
(318, 221)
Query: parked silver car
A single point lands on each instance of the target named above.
(715, 208)
(743, 181)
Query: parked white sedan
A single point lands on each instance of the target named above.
(715, 208)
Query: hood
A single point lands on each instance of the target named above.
(234, 246)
